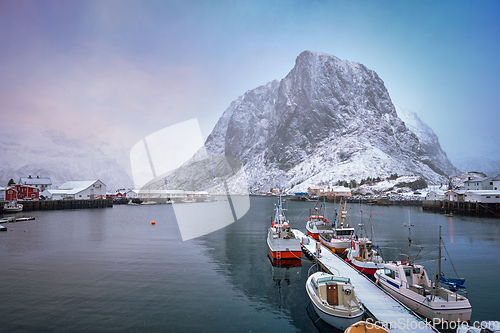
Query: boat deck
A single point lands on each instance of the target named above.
(384, 308)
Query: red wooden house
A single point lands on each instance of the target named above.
(25, 192)
(8, 193)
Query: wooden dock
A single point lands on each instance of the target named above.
(462, 208)
(31, 205)
(379, 305)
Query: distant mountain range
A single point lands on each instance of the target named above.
(32, 150)
(327, 120)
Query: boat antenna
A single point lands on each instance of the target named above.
(409, 239)
(438, 276)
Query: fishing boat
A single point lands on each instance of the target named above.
(12, 207)
(188, 200)
(281, 241)
(334, 300)
(410, 284)
(317, 223)
(365, 327)
(363, 255)
(340, 239)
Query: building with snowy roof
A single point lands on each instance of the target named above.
(496, 183)
(77, 190)
(484, 196)
(41, 183)
(479, 184)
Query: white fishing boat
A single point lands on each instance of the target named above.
(410, 284)
(188, 200)
(343, 233)
(12, 207)
(281, 242)
(334, 299)
(317, 223)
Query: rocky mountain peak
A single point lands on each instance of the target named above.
(327, 120)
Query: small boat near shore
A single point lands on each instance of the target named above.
(281, 241)
(334, 299)
(13, 207)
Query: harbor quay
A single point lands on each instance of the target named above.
(33, 205)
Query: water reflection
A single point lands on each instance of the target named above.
(241, 253)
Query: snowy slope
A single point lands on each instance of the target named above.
(327, 120)
(31, 150)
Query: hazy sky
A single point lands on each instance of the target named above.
(125, 69)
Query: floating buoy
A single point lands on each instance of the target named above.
(153, 222)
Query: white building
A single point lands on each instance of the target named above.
(456, 195)
(41, 183)
(340, 191)
(483, 196)
(436, 195)
(78, 190)
(479, 184)
(496, 183)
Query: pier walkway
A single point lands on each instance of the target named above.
(383, 308)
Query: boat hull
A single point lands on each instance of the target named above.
(451, 311)
(339, 322)
(285, 255)
(367, 268)
(314, 235)
(283, 248)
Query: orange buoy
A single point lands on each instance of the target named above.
(153, 222)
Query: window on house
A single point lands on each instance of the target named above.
(32, 195)
(487, 197)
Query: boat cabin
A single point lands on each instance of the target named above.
(344, 233)
(413, 277)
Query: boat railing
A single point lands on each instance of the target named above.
(449, 295)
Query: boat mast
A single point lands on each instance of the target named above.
(439, 257)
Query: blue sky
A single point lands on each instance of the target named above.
(129, 68)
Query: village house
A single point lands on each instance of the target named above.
(316, 190)
(8, 193)
(41, 183)
(339, 191)
(77, 190)
(25, 192)
(496, 183)
(484, 196)
(437, 195)
(479, 184)
(456, 195)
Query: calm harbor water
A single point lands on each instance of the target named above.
(111, 270)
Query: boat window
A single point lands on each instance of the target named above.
(389, 273)
(333, 278)
(416, 270)
(408, 272)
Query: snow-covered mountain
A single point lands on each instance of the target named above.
(428, 140)
(327, 120)
(31, 150)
